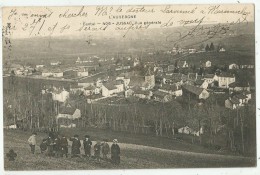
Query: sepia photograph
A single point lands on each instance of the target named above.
(100, 87)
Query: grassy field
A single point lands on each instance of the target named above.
(159, 153)
(221, 58)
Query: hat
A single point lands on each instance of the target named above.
(76, 135)
(34, 133)
(87, 136)
(115, 141)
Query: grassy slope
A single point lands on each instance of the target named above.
(132, 156)
(220, 58)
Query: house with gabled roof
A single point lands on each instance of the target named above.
(145, 82)
(47, 73)
(136, 81)
(143, 94)
(232, 103)
(125, 77)
(201, 83)
(67, 114)
(161, 96)
(90, 90)
(175, 90)
(60, 95)
(194, 92)
(237, 100)
(225, 79)
(207, 64)
(172, 79)
(108, 89)
(82, 72)
(112, 87)
(210, 78)
(239, 86)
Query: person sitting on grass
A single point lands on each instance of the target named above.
(97, 149)
(32, 142)
(11, 155)
(75, 148)
(105, 149)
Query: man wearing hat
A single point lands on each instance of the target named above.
(87, 146)
(75, 148)
(115, 152)
(32, 142)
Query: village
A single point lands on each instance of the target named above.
(111, 81)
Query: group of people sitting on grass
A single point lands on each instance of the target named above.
(56, 145)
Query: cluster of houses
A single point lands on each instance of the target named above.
(65, 73)
(178, 50)
(158, 83)
(18, 69)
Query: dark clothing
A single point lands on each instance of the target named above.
(50, 143)
(56, 144)
(87, 147)
(105, 149)
(115, 154)
(32, 148)
(43, 145)
(56, 147)
(64, 146)
(75, 148)
(97, 149)
(11, 155)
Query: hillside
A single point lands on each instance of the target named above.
(149, 41)
(132, 157)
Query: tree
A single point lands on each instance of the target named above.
(201, 47)
(207, 48)
(211, 47)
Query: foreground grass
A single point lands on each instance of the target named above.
(133, 156)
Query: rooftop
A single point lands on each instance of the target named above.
(169, 87)
(160, 94)
(142, 92)
(209, 76)
(137, 81)
(193, 89)
(110, 86)
(239, 84)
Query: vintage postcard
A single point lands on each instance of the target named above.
(129, 87)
